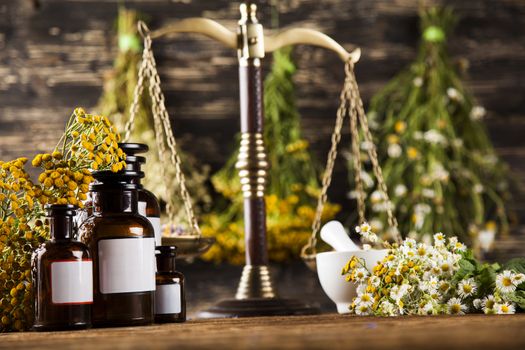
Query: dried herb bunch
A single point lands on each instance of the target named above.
(293, 179)
(438, 161)
(89, 143)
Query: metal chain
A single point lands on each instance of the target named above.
(351, 105)
(356, 159)
(342, 111)
(139, 88)
(162, 114)
(163, 130)
(372, 153)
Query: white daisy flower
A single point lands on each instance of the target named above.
(504, 308)
(518, 279)
(488, 304)
(366, 299)
(362, 310)
(394, 150)
(439, 239)
(467, 288)
(434, 137)
(486, 239)
(477, 113)
(454, 94)
(388, 308)
(477, 303)
(363, 228)
(455, 307)
(400, 190)
(375, 281)
(504, 282)
(427, 309)
(417, 81)
(428, 193)
(360, 274)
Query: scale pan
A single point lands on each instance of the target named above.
(189, 247)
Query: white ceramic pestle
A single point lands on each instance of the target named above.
(335, 235)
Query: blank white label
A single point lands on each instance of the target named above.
(168, 299)
(155, 222)
(72, 282)
(126, 265)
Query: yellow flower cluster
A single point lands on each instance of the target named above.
(20, 234)
(90, 142)
(289, 223)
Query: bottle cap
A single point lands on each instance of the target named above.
(123, 179)
(60, 209)
(166, 250)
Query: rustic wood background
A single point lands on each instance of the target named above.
(54, 54)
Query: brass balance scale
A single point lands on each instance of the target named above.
(256, 295)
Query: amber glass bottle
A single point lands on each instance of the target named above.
(170, 299)
(62, 273)
(148, 205)
(122, 245)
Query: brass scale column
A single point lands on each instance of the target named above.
(255, 295)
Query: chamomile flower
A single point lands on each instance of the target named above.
(488, 304)
(477, 303)
(360, 274)
(362, 310)
(427, 309)
(467, 288)
(366, 299)
(504, 282)
(456, 307)
(504, 308)
(439, 239)
(518, 279)
(365, 230)
(388, 308)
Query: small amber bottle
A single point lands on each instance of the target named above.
(62, 273)
(170, 299)
(148, 205)
(122, 245)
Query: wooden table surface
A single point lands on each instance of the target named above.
(301, 332)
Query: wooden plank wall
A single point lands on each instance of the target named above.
(55, 53)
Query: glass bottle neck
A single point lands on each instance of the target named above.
(115, 201)
(61, 227)
(165, 264)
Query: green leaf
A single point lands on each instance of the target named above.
(518, 297)
(516, 265)
(466, 267)
(486, 279)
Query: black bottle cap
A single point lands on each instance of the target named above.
(166, 251)
(124, 179)
(60, 210)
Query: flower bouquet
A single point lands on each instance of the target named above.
(432, 279)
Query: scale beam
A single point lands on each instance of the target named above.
(294, 36)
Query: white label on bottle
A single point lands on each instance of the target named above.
(168, 299)
(72, 282)
(155, 222)
(126, 265)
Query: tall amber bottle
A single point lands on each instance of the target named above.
(122, 244)
(62, 274)
(148, 205)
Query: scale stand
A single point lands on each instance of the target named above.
(256, 295)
